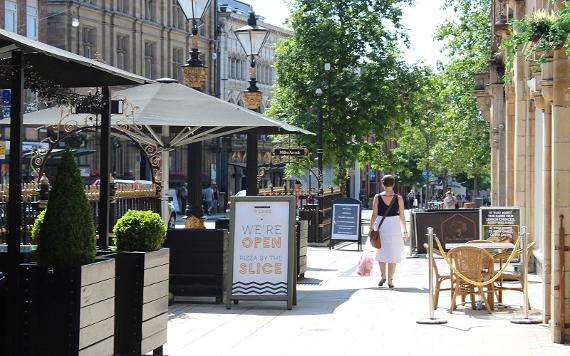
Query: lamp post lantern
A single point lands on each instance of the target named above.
(194, 70)
(252, 38)
(319, 93)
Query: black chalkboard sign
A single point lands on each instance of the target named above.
(500, 224)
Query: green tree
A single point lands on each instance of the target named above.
(67, 235)
(362, 91)
(464, 136)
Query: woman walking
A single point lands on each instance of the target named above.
(392, 230)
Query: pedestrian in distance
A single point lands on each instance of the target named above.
(183, 196)
(449, 201)
(208, 196)
(393, 231)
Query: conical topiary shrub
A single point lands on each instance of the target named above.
(67, 236)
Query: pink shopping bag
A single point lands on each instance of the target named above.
(365, 264)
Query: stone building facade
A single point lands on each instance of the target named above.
(152, 38)
(530, 139)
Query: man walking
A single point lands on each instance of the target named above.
(208, 194)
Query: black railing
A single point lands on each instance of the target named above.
(29, 213)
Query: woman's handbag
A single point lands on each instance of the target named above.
(374, 235)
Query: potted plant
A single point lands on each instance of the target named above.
(538, 34)
(66, 299)
(141, 301)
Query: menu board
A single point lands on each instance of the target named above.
(262, 248)
(500, 224)
(346, 220)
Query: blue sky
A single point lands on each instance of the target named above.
(421, 21)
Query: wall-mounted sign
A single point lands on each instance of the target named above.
(500, 224)
(300, 151)
(345, 224)
(262, 249)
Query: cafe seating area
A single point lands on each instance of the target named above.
(479, 271)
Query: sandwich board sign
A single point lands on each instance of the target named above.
(501, 224)
(262, 249)
(345, 225)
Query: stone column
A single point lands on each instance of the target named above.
(510, 144)
(529, 187)
(497, 92)
(521, 114)
(546, 88)
(560, 184)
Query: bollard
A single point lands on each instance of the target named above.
(431, 320)
(524, 265)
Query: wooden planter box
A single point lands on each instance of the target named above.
(67, 311)
(302, 243)
(142, 301)
(197, 262)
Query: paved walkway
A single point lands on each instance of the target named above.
(341, 313)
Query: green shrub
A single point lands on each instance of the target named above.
(139, 231)
(67, 235)
(37, 224)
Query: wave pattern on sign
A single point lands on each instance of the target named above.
(254, 288)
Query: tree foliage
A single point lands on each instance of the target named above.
(359, 39)
(397, 117)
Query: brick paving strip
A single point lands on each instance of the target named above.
(346, 314)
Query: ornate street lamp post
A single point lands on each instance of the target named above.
(195, 73)
(319, 93)
(252, 38)
(194, 70)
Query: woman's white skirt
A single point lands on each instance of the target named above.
(391, 237)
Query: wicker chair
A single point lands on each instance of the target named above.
(476, 264)
(440, 277)
(516, 276)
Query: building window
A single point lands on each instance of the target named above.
(150, 10)
(123, 52)
(91, 2)
(178, 17)
(10, 16)
(177, 62)
(32, 19)
(89, 42)
(123, 6)
(233, 68)
(149, 59)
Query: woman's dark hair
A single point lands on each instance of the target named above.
(388, 181)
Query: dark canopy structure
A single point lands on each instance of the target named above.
(60, 69)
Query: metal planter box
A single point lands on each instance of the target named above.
(198, 262)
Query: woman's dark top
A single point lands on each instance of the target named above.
(394, 210)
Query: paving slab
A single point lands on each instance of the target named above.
(341, 313)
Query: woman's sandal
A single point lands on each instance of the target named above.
(382, 281)
(390, 284)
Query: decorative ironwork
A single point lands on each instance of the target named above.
(260, 174)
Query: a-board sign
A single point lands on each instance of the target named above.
(345, 220)
(450, 226)
(262, 249)
(501, 224)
